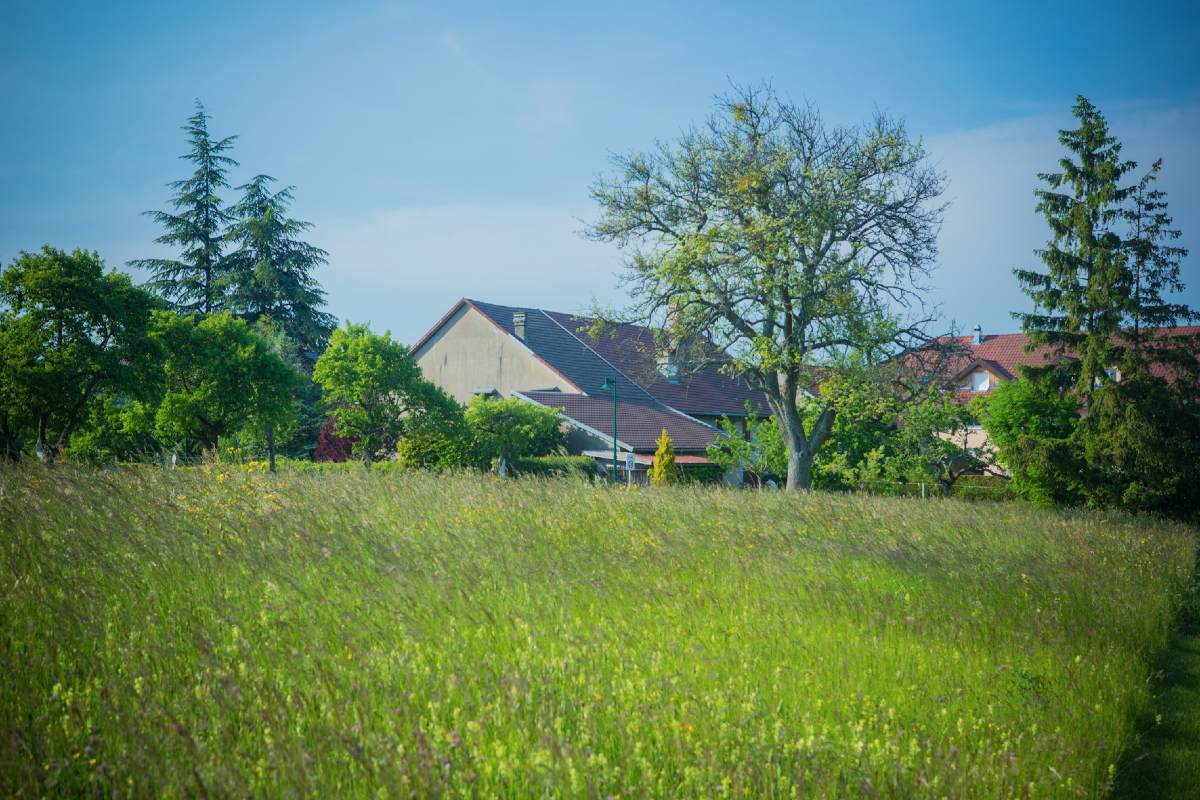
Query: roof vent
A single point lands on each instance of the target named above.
(978, 337)
(519, 324)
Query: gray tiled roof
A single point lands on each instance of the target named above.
(640, 416)
(631, 349)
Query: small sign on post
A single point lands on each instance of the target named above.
(630, 466)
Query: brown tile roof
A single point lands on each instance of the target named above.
(631, 349)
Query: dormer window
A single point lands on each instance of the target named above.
(981, 381)
(668, 369)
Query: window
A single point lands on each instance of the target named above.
(980, 381)
(668, 368)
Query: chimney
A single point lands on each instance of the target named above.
(519, 324)
(978, 337)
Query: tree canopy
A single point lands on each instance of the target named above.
(377, 389)
(220, 377)
(507, 429)
(1123, 399)
(69, 333)
(782, 241)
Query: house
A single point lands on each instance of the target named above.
(547, 358)
(989, 361)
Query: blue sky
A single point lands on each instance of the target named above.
(445, 150)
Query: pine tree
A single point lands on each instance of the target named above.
(1080, 302)
(269, 271)
(664, 471)
(198, 226)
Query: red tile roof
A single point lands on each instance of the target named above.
(1001, 353)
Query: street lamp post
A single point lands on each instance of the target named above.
(611, 383)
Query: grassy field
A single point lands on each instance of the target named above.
(218, 632)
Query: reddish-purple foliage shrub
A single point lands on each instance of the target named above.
(330, 446)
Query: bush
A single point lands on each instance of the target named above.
(555, 466)
(702, 474)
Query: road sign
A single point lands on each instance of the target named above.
(630, 462)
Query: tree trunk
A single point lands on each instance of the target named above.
(799, 469)
(271, 448)
(946, 487)
(367, 460)
(42, 448)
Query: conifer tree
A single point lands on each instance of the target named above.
(1155, 264)
(664, 472)
(1081, 300)
(198, 225)
(1133, 441)
(269, 271)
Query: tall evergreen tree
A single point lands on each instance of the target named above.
(193, 282)
(1082, 298)
(1109, 262)
(269, 271)
(1155, 264)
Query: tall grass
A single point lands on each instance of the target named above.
(219, 632)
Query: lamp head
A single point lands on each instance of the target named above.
(609, 383)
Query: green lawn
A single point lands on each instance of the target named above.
(219, 632)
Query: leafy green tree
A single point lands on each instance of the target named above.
(1031, 425)
(220, 377)
(664, 472)
(69, 335)
(757, 449)
(194, 281)
(297, 440)
(508, 429)
(378, 390)
(1141, 445)
(937, 440)
(269, 271)
(864, 441)
(438, 442)
(782, 242)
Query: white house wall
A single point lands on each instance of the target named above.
(468, 352)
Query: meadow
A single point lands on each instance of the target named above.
(220, 632)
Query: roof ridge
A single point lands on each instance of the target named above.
(622, 374)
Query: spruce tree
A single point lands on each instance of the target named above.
(1109, 263)
(269, 270)
(1082, 298)
(1155, 265)
(198, 225)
